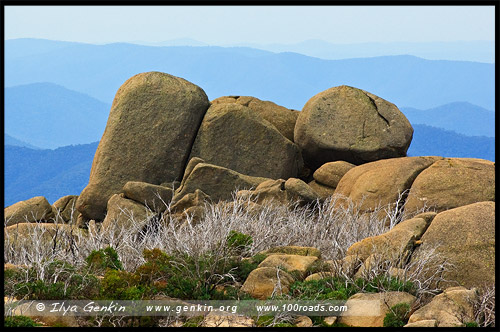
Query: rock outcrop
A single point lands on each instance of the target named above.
(395, 245)
(329, 174)
(452, 308)
(35, 209)
(125, 213)
(215, 181)
(345, 123)
(289, 262)
(65, 208)
(465, 237)
(453, 182)
(151, 126)
(381, 182)
(282, 118)
(291, 190)
(235, 137)
(369, 309)
(265, 282)
(155, 197)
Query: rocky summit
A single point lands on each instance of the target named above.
(168, 153)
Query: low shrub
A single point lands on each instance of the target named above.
(20, 321)
(339, 288)
(121, 285)
(98, 261)
(397, 316)
(238, 242)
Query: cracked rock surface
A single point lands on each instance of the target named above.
(350, 124)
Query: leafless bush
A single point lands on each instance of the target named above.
(326, 225)
(484, 308)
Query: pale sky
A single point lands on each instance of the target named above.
(219, 25)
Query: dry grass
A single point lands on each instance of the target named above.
(332, 230)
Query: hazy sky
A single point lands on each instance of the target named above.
(218, 25)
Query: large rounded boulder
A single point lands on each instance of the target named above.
(36, 209)
(345, 123)
(382, 182)
(465, 238)
(453, 182)
(151, 126)
(280, 117)
(236, 137)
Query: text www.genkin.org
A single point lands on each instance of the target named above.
(252, 308)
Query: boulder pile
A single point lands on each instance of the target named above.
(168, 149)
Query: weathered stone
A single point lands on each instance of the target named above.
(293, 250)
(198, 198)
(192, 205)
(349, 265)
(320, 275)
(35, 209)
(465, 237)
(395, 245)
(155, 197)
(369, 309)
(303, 321)
(453, 182)
(298, 190)
(423, 323)
(283, 119)
(281, 191)
(452, 308)
(66, 207)
(330, 320)
(289, 262)
(369, 267)
(345, 123)
(267, 191)
(189, 168)
(329, 174)
(215, 181)
(323, 191)
(380, 183)
(151, 126)
(225, 319)
(235, 137)
(264, 282)
(125, 213)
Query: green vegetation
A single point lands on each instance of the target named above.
(100, 260)
(20, 321)
(66, 283)
(337, 288)
(398, 316)
(471, 324)
(238, 241)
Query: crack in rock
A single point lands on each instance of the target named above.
(376, 108)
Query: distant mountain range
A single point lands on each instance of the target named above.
(463, 118)
(47, 115)
(289, 79)
(431, 141)
(48, 173)
(479, 51)
(9, 140)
